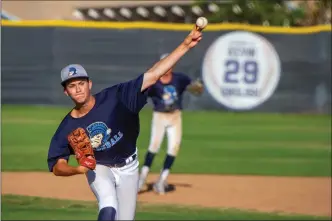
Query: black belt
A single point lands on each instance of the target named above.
(124, 163)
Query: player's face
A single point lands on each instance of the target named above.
(169, 72)
(167, 77)
(79, 90)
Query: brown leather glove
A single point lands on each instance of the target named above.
(80, 142)
(196, 87)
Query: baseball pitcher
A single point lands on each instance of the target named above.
(101, 131)
(167, 96)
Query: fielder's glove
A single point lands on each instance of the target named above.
(80, 142)
(196, 87)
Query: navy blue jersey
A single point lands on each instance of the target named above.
(112, 124)
(168, 97)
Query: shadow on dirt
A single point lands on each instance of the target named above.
(170, 187)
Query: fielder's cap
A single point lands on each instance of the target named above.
(73, 71)
(164, 55)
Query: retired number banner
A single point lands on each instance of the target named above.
(241, 70)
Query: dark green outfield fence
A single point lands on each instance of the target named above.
(258, 69)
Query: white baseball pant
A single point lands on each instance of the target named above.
(171, 123)
(116, 187)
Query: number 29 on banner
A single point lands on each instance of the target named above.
(234, 69)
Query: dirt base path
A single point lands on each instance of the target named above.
(310, 196)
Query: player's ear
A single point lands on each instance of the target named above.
(90, 84)
(65, 91)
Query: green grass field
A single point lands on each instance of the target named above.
(220, 143)
(19, 208)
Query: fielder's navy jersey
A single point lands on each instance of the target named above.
(168, 97)
(112, 125)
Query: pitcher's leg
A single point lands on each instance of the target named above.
(157, 135)
(102, 184)
(127, 191)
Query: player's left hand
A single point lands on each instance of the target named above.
(80, 143)
(193, 38)
(196, 87)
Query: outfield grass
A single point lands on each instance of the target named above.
(213, 142)
(19, 208)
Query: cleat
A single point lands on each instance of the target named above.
(159, 188)
(141, 183)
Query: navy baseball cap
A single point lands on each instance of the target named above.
(73, 71)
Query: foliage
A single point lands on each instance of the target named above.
(257, 12)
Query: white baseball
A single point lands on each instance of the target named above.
(201, 22)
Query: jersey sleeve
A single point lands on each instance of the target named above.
(186, 80)
(150, 92)
(58, 149)
(129, 93)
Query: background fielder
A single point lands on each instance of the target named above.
(167, 97)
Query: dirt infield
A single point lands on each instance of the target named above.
(301, 195)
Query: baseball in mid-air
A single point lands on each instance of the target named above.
(201, 22)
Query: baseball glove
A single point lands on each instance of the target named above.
(196, 87)
(80, 142)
